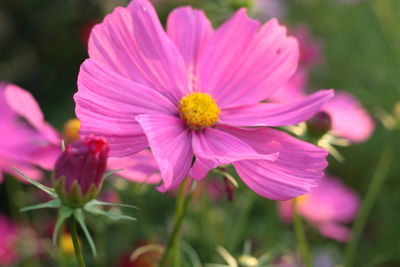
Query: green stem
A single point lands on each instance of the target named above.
(181, 209)
(372, 193)
(241, 222)
(301, 236)
(75, 241)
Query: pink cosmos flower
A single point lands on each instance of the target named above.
(344, 110)
(9, 241)
(327, 208)
(192, 92)
(21, 140)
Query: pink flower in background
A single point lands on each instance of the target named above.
(349, 119)
(344, 110)
(189, 92)
(33, 142)
(310, 47)
(9, 242)
(267, 9)
(21, 140)
(140, 167)
(327, 208)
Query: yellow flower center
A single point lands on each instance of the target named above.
(71, 130)
(199, 110)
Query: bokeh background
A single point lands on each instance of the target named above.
(43, 43)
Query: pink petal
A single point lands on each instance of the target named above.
(141, 167)
(107, 103)
(24, 104)
(243, 64)
(330, 201)
(214, 147)
(335, 231)
(189, 29)
(46, 156)
(171, 143)
(132, 42)
(349, 119)
(294, 173)
(271, 114)
(293, 90)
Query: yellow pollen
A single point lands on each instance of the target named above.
(199, 110)
(71, 130)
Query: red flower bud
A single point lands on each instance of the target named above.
(79, 170)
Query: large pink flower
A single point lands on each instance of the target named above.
(327, 207)
(20, 140)
(190, 91)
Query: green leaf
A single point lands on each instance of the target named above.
(55, 203)
(96, 202)
(44, 188)
(80, 217)
(109, 173)
(110, 215)
(63, 213)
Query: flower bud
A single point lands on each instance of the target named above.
(79, 170)
(319, 124)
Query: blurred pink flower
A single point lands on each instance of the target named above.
(189, 92)
(140, 167)
(23, 132)
(310, 47)
(266, 9)
(349, 119)
(344, 109)
(33, 142)
(9, 242)
(327, 208)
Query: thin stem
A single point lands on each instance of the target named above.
(372, 193)
(181, 209)
(75, 241)
(241, 222)
(302, 242)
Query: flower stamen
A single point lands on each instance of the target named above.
(199, 110)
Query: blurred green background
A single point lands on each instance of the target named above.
(42, 45)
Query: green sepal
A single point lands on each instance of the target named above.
(74, 197)
(109, 173)
(55, 203)
(42, 187)
(80, 217)
(110, 215)
(96, 202)
(63, 213)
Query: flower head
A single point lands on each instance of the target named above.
(79, 170)
(327, 207)
(192, 92)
